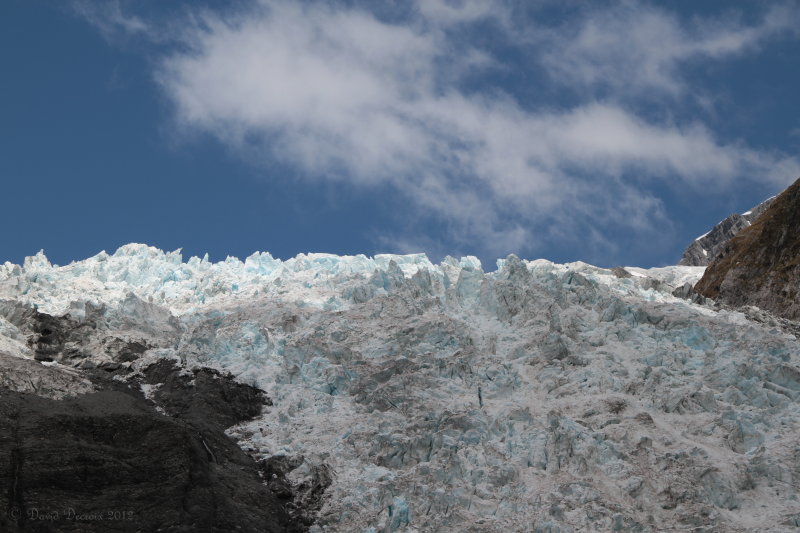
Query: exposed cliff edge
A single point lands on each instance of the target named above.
(760, 266)
(706, 248)
(87, 445)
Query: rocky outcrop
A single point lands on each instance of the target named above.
(203, 395)
(83, 449)
(106, 461)
(760, 266)
(28, 376)
(705, 248)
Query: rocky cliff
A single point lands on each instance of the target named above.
(760, 266)
(89, 446)
(705, 248)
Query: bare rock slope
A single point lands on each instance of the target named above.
(760, 266)
(83, 449)
(706, 248)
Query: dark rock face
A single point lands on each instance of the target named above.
(108, 461)
(204, 395)
(30, 376)
(760, 266)
(50, 334)
(703, 250)
(83, 449)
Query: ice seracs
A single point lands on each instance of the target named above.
(537, 397)
(165, 279)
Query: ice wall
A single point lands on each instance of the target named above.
(539, 397)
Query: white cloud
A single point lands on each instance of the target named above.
(448, 12)
(634, 47)
(343, 95)
(110, 18)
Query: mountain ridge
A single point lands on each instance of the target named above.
(761, 265)
(704, 249)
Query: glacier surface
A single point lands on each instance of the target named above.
(537, 397)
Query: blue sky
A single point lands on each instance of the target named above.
(608, 132)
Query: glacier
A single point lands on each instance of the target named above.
(440, 397)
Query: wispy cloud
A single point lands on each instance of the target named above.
(343, 94)
(110, 18)
(447, 13)
(633, 47)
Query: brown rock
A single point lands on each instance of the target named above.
(760, 266)
(708, 247)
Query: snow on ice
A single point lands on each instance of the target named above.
(538, 397)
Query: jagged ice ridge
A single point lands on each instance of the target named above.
(538, 397)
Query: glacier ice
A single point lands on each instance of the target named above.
(538, 397)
